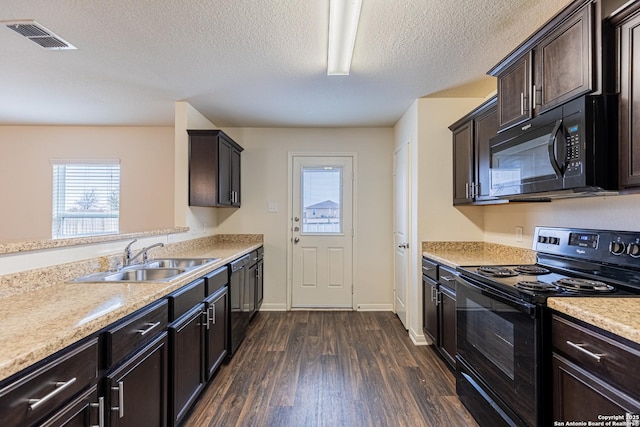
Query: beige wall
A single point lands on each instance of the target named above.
(265, 179)
(201, 221)
(432, 217)
(609, 213)
(146, 193)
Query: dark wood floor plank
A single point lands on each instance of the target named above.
(330, 368)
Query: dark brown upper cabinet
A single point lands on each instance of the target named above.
(556, 64)
(514, 89)
(214, 169)
(471, 161)
(627, 30)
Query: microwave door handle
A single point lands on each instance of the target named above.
(552, 149)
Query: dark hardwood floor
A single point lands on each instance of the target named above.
(330, 368)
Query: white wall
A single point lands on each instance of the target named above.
(265, 179)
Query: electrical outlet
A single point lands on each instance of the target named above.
(518, 234)
(272, 207)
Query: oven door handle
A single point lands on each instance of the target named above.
(517, 304)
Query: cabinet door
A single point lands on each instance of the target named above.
(430, 309)
(514, 87)
(596, 397)
(629, 40)
(225, 153)
(486, 127)
(259, 284)
(462, 163)
(448, 345)
(136, 390)
(564, 62)
(217, 328)
(235, 178)
(83, 411)
(187, 362)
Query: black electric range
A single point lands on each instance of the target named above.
(502, 322)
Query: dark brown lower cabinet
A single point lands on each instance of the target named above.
(430, 308)
(448, 346)
(84, 411)
(581, 396)
(216, 338)
(439, 309)
(136, 390)
(187, 352)
(593, 374)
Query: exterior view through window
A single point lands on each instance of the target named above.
(86, 199)
(322, 199)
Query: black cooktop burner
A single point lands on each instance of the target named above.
(583, 285)
(496, 271)
(536, 286)
(532, 269)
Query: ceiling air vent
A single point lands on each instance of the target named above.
(38, 34)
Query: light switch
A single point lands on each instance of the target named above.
(272, 207)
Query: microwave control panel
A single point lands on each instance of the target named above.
(573, 160)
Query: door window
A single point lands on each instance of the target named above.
(322, 200)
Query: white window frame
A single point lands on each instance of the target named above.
(73, 181)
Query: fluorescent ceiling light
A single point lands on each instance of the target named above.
(343, 26)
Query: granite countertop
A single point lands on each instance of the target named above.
(41, 321)
(616, 315)
(455, 254)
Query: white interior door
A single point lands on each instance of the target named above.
(322, 232)
(401, 230)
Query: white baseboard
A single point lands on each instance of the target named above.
(273, 307)
(375, 307)
(418, 339)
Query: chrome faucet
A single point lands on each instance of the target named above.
(128, 258)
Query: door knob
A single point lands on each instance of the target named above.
(296, 240)
(296, 219)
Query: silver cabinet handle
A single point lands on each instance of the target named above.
(466, 190)
(522, 103)
(448, 278)
(438, 297)
(120, 407)
(60, 387)
(533, 97)
(212, 314)
(150, 327)
(581, 348)
(100, 406)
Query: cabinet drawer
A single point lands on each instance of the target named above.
(216, 280)
(598, 354)
(185, 298)
(38, 393)
(430, 269)
(135, 331)
(447, 277)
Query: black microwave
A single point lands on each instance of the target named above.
(567, 151)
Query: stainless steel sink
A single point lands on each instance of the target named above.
(178, 262)
(155, 270)
(144, 274)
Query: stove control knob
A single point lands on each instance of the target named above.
(554, 240)
(542, 239)
(617, 248)
(634, 250)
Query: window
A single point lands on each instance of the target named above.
(86, 198)
(321, 198)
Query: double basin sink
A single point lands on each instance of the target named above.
(155, 270)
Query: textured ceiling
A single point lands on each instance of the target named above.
(250, 62)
